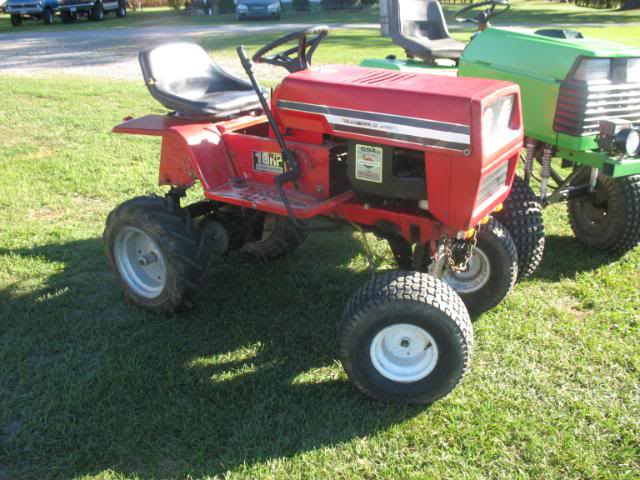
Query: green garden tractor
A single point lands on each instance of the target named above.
(581, 106)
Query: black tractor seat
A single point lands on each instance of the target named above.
(183, 78)
(419, 27)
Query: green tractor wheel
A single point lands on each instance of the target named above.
(608, 219)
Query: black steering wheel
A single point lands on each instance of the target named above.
(488, 12)
(305, 49)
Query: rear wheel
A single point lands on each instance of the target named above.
(69, 17)
(608, 219)
(16, 20)
(158, 255)
(522, 216)
(405, 337)
(490, 274)
(276, 236)
(97, 12)
(47, 17)
(121, 11)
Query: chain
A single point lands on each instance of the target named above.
(469, 246)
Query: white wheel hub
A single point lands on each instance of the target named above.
(470, 280)
(404, 353)
(140, 262)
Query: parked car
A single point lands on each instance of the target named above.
(32, 10)
(258, 9)
(96, 10)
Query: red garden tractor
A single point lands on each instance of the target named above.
(422, 161)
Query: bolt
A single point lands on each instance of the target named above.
(404, 343)
(145, 260)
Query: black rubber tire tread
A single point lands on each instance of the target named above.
(522, 216)
(622, 234)
(496, 242)
(16, 20)
(284, 239)
(188, 261)
(395, 294)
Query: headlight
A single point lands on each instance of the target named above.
(274, 6)
(628, 142)
(633, 70)
(242, 8)
(496, 117)
(593, 70)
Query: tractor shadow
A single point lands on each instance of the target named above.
(247, 376)
(565, 257)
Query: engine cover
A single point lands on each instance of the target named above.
(393, 108)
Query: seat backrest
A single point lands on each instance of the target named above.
(417, 19)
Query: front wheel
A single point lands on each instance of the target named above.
(405, 337)
(157, 253)
(490, 273)
(47, 17)
(16, 20)
(608, 219)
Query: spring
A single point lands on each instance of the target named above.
(547, 155)
(528, 159)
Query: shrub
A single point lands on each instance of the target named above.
(226, 6)
(340, 4)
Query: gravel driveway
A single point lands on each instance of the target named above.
(109, 52)
(113, 52)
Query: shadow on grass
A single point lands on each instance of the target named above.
(89, 383)
(566, 257)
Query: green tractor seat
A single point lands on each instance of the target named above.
(419, 27)
(183, 78)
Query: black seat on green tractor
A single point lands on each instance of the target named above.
(419, 27)
(183, 78)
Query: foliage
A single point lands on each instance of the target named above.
(226, 6)
(340, 4)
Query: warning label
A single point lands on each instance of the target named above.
(369, 163)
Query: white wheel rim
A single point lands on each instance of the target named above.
(470, 280)
(404, 353)
(140, 262)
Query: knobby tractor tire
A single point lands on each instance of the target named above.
(181, 247)
(96, 13)
(278, 237)
(608, 220)
(405, 301)
(522, 216)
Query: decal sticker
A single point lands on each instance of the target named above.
(268, 162)
(369, 163)
(420, 131)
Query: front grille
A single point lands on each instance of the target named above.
(23, 6)
(582, 106)
(492, 183)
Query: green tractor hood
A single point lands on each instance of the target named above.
(543, 67)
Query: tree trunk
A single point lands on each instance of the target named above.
(630, 4)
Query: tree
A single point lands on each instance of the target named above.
(630, 4)
(301, 4)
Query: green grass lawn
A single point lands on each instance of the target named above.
(538, 12)
(246, 385)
